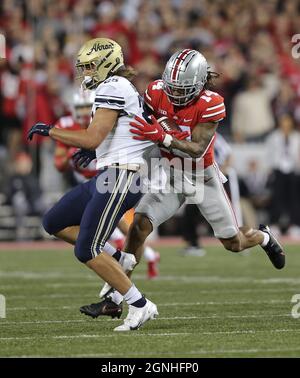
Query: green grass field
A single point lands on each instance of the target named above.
(220, 305)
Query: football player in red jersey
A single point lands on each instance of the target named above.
(80, 107)
(183, 95)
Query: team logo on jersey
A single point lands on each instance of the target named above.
(98, 47)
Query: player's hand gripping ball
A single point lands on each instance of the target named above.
(155, 131)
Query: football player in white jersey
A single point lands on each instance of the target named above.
(100, 203)
(68, 158)
(83, 163)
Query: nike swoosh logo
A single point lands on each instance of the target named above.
(187, 120)
(104, 308)
(152, 132)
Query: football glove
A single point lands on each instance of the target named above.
(82, 158)
(153, 132)
(40, 129)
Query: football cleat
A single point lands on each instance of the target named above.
(106, 308)
(128, 262)
(273, 249)
(137, 316)
(152, 267)
(193, 251)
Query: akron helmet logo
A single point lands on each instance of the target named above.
(98, 47)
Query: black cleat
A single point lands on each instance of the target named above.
(106, 307)
(273, 249)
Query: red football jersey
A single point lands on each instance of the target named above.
(209, 107)
(67, 122)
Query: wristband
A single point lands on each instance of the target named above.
(167, 140)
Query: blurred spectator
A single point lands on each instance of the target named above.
(23, 192)
(11, 131)
(241, 38)
(247, 41)
(286, 100)
(255, 193)
(283, 150)
(252, 117)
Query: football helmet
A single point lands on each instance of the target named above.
(184, 76)
(81, 106)
(97, 59)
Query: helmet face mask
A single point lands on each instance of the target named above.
(83, 115)
(181, 95)
(81, 107)
(184, 76)
(87, 74)
(97, 59)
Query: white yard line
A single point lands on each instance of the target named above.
(137, 334)
(90, 321)
(80, 295)
(194, 352)
(173, 304)
(170, 354)
(179, 278)
(6, 288)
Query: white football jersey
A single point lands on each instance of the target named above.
(119, 146)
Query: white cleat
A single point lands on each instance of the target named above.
(137, 316)
(193, 251)
(128, 262)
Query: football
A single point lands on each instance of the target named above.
(168, 124)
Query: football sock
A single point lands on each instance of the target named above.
(117, 255)
(149, 254)
(117, 234)
(266, 239)
(134, 297)
(109, 249)
(112, 251)
(116, 297)
(139, 303)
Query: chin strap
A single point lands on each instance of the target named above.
(89, 83)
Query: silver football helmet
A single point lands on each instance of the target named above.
(81, 106)
(184, 76)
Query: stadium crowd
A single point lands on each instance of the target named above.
(247, 41)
